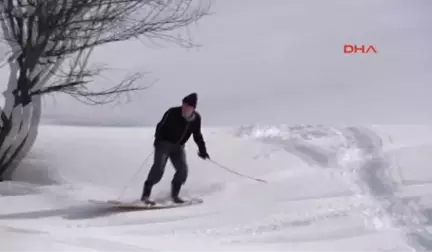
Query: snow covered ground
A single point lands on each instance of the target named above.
(328, 189)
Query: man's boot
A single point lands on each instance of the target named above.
(145, 197)
(175, 190)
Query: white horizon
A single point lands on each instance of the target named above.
(280, 62)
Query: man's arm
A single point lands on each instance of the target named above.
(159, 126)
(198, 137)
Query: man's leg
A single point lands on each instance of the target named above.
(178, 160)
(162, 151)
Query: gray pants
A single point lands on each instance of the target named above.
(177, 156)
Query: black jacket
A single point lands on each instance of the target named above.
(176, 129)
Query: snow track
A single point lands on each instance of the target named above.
(402, 212)
(358, 152)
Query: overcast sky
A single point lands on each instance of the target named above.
(278, 61)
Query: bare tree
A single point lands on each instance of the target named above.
(51, 42)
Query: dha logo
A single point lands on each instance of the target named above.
(364, 49)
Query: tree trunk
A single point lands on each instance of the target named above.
(21, 117)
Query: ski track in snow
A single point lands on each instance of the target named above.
(371, 208)
(401, 212)
(359, 153)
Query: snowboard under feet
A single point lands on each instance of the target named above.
(148, 204)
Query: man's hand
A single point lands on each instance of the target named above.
(203, 155)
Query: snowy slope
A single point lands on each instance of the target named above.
(328, 189)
